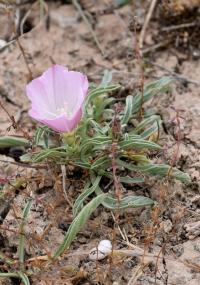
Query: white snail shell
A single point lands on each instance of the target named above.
(101, 251)
(96, 254)
(105, 246)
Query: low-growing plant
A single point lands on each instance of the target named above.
(91, 130)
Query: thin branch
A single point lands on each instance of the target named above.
(23, 21)
(14, 124)
(176, 75)
(177, 27)
(146, 22)
(156, 46)
(25, 59)
(80, 10)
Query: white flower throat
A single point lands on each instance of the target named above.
(64, 110)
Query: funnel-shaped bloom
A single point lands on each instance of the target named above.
(57, 98)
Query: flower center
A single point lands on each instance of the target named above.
(64, 110)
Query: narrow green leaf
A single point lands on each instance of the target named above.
(79, 201)
(86, 192)
(100, 162)
(107, 78)
(97, 140)
(145, 122)
(42, 136)
(38, 134)
(101, 110)
(82, 164)
(154, 129)
(138, 144)
(24, 278)
(125, 179)
(49, 153)
(151, 90)
(91, 143)
(27, 209)
(11, 141)
(130, 180)
(97, 92)
(9, 274)
(17, 274)
(78, 223)
(126, 202)
(138, 158)
(157, 170)
(128, 112)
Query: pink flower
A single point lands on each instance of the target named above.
(57, 98)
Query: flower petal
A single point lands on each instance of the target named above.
(77, 89)
(60, 124)
(53, 80)
(36, 94)
(69, 87)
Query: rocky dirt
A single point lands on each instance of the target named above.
(166, 236)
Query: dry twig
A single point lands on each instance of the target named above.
(80, 10)
(176, 75)
(177, 27)
(138, 272)
(30, 74)
(156, 46)
(146, 22)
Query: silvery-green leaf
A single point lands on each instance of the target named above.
(78, 223)
(128, 112)
(11, 141)
(86, 192)
(107, 78)
(161, 170)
